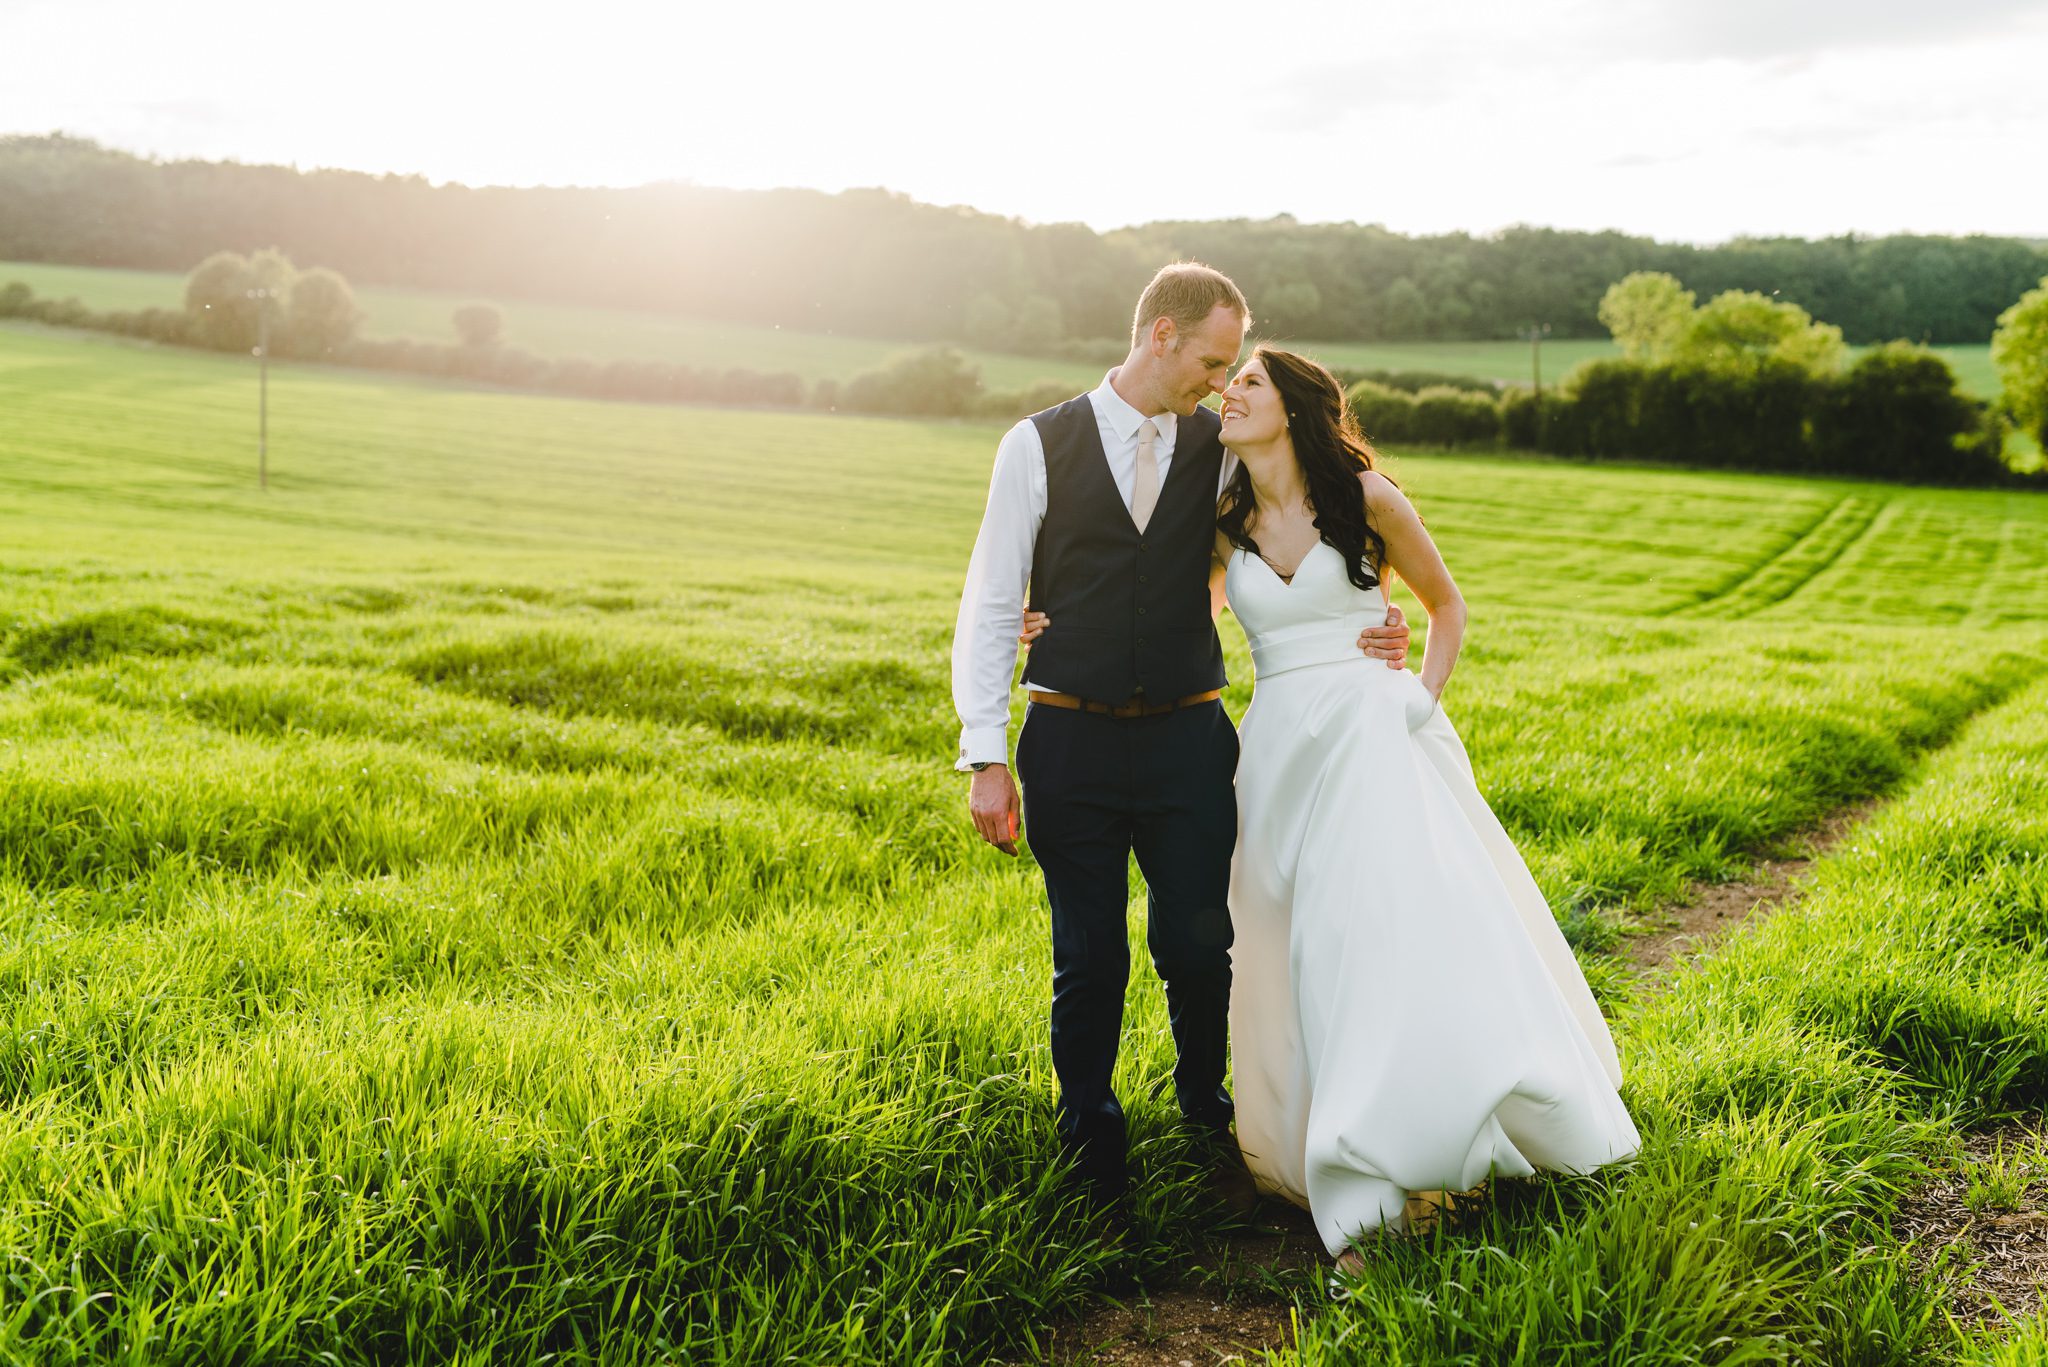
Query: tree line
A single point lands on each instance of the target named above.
(873, 263)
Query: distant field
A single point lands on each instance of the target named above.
(564, 330)
(1508, 361)
(502, 896)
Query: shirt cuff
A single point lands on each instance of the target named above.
(990, 744)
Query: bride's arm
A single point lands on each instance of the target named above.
(1219, 560)
(1412, 555)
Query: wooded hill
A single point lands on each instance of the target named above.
(874, 263)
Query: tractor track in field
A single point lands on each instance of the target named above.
(1809, 555)
(1233, 1302)
(1679, 931)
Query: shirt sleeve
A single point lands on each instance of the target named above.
(992, 603)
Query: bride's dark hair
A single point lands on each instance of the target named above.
(1331, 451)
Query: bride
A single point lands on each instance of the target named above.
(1405, 1015)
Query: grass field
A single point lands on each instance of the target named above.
(607, 334)
(502, 893)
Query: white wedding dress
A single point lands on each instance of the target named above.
(1404, 1014)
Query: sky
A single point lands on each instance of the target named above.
(1693, 120)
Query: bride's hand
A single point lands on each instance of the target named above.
(1035, 623)
(1423, 705)
(1388, 642)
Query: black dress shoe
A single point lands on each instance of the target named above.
(1235, 1188)
(1230, 1181)
(1115, 1237)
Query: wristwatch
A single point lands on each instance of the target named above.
(980, 765)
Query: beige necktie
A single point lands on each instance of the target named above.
(1145, 487)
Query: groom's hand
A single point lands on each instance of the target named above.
(992, 802)
(1389, 642)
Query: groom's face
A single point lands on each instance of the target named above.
(1199, 365)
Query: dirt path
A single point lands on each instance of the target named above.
(1676, 933)
(1989, 1209)
(1236, 1298)
(1234, 1301)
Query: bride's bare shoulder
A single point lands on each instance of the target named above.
(1381, 493)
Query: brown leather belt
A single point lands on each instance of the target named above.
(1129, 709)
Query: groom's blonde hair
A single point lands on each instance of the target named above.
(1187, 292)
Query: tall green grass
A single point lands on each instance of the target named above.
(503, 894)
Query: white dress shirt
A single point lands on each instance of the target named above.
(999, 571)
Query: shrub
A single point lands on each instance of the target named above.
(574, 375)
(1606, 398)
(168, 326)
(479, 325)
(217, 301)
(321, 316)
(63, 313)
(524, 369)
(1521, 420)
(1456, 417)
(157, 325)
(1756, 420)
(1897, 414)
(1545, 421)
(938, 382)
(780, 389)
(1384, 413)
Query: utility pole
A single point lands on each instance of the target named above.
(1536, 332)
(263, 297)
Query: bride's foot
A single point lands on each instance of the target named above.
(1350, 1267)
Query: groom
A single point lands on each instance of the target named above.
(1106, 507)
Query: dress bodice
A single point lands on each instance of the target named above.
(1313, 620)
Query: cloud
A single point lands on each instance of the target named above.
(1320, 97)
(192, 111)
(1637, 161)
(1764, 29)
